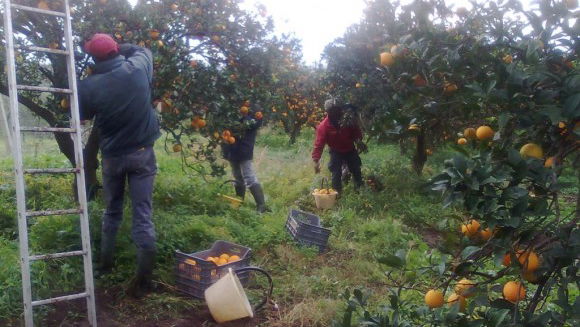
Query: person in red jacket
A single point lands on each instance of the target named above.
(342, 142)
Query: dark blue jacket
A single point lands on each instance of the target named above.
(243, 149)
(118, 94)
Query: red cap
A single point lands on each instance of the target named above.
(101, 46)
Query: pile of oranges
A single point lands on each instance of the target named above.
(327, 191)
(223, 259)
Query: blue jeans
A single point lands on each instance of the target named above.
(138, 169)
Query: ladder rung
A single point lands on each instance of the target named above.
(37, 10)
(56, 255)
(42, 89)
(40, 49)
(48, 129)
(45, 213)
(60, 299)
(52, 171)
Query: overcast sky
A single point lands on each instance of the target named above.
(318, 22)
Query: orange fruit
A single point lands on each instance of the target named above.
(231, 140)
(471, 228)
(387, 59)
(484, 133)
(225, 256)
(485, 234)
(434, 299)
(462, 141)
(221, 261)
(455, 298)
(469, 133)
(419, 81)
(43, 5)
(562, 125)
(532, 150)
(154, 34)
(177, 148)
(449, 88)
(529, 260)
(463, 286)
(174, 6)
(234, 258)
(550, 162)
(507, 259)
(514, 291)
(64, 103)
(226, 134)
(508, 59)
(244, 110)
(358, 85)
(190, 262)
(259, 115)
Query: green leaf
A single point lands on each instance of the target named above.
(552, 112)
(572, 106)
(392, 261)
(469, 251)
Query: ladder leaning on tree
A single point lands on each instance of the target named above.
(75, 131)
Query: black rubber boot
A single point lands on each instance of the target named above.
(107, 255)
(240, 190)
(258, 194)
(142, 283)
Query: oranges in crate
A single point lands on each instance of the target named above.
(223, 259)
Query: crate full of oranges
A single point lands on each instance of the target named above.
(197, 271)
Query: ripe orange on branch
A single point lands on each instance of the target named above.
(457, 299)
(514, 291)
(484, 133)
(434, 299)
(462, 141)
(387, 59)
(154, 34)
(471, 228)
(532, 150)
(463, 286)
(469, 133)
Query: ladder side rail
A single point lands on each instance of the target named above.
(18, 166)
(79, 160)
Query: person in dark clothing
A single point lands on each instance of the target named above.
(118, 96)
(240, 155)
(342, 142)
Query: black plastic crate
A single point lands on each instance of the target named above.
(305, 228)
(194, 273)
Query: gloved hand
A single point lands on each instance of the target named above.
(316, 167)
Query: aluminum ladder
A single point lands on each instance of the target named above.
(75, 131)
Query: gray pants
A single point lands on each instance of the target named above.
(244, 173)
(138, 169)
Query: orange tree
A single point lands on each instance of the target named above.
(516, 81)
(298, 98)
(210, 58)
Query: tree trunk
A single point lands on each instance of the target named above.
(294, 134)
(420, 156)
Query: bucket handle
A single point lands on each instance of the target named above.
(270, 289)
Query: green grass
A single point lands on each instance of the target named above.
(189, 217)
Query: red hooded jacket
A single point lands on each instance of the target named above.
(338, 139)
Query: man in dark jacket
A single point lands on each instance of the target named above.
(118, 96)
(240, 155)
(341, 140)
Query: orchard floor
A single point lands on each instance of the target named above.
(366, 226)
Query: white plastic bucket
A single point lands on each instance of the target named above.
(227, 300)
